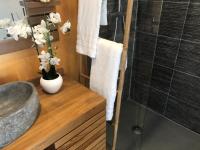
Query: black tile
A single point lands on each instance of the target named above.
(189, 58)
(172, 19)
(192, 24)
(139, 93)
(157, 100)
(127, 82)
(161, 78)
(195, 1)
(148, 16)
(186, 88)
(145, 46)
(176, 0)
(166, 51)
(142, 71)
(134, 17)
(183, 114)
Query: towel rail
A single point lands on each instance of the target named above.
(122, 72)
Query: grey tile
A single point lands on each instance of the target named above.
(176, 1)
(172, 19)
(157, 100)
(189, 58)
(149, 16)
(142, 71)
(127, 84)
(145, 46)
(183, 114)
(166, 51)
(140, 92)
(195, 1)
(129, 68)
(161, 78)
(159, 133)
(186, 88)
(192, 24)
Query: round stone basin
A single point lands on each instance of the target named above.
(19, 107)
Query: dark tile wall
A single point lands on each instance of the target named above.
(163, 70)
(166, 59)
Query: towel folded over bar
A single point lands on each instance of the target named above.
(104, 72)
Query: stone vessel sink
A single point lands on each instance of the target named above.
(19, 107)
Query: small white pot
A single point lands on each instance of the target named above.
(51, 86)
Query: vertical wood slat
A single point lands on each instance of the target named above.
(84, 71)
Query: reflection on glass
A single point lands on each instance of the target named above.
(10, 9)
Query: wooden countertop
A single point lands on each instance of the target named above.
(60, 113)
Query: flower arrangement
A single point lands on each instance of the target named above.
(41, 37)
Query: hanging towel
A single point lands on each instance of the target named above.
(89, 12)
(104, 72)
(104, 13)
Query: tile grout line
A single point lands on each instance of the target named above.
(164, 113)
(173, 69)
(160, 35)
(156, 44)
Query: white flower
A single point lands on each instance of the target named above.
(4, 23)
(45, 1)
(44, 56)
(54, 18)
(44, 60)
(39, 33)
(19, 29)
(54, 61)
(66, 27)
(41, 28)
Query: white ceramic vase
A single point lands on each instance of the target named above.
(51, 86)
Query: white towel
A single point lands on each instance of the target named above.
(104, 13)
(104, 72)
(89, 12)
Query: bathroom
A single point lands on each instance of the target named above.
(160, 107)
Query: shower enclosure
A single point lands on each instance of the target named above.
(161, 99)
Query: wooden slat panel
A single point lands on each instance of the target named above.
(90, 139)
(35, 4)
(96, 142)
(79, 139)
(39, 11)
(79, 129)
(10, 45)
(101, 145)
(92, 136)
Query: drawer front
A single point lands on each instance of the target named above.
(91, 135)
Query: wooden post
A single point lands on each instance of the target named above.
(122, 73)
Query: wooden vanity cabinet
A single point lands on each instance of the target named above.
(72, 119)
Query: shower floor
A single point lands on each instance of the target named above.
(158, 133)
